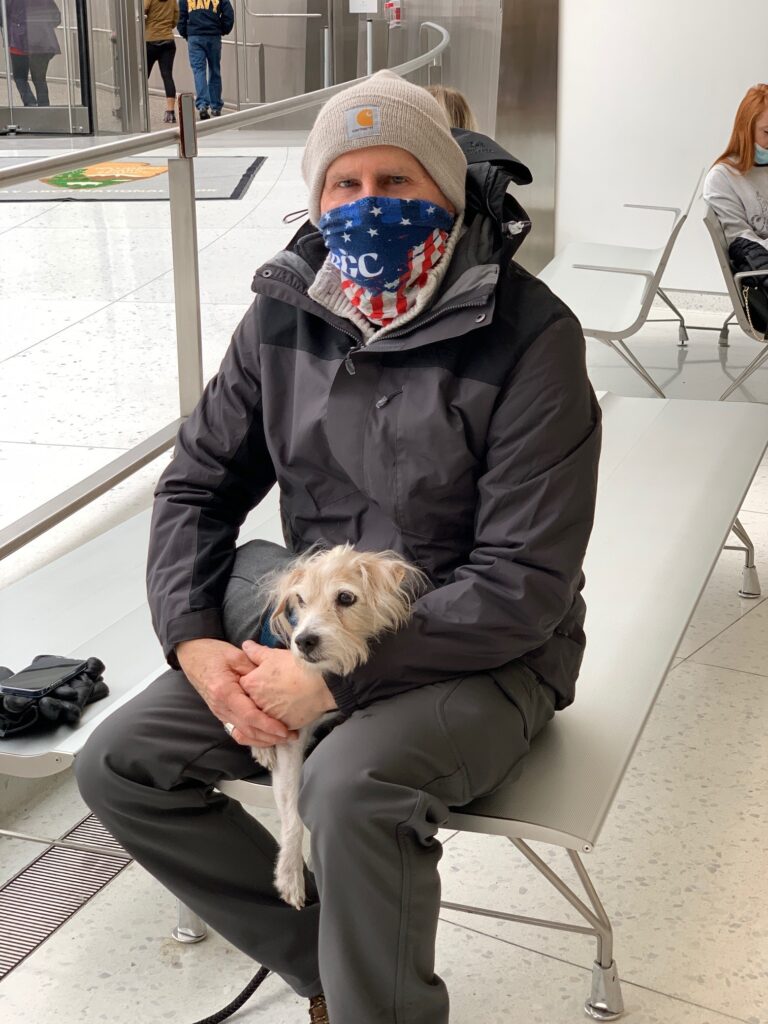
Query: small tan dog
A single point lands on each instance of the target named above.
(327, 607)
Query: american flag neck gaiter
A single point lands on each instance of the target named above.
(384, 249)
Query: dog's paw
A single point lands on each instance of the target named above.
(266, 757)
(290, 884)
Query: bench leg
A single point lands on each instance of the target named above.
(190, 928)
(682, 330)
(622, 349)
(723, 340)
(750, 581)
(605, 1001)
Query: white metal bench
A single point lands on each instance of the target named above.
(611, 288)
(673, 475)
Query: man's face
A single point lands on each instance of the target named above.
(378, 171)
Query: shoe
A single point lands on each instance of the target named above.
(215, 113)
(318, 1011)
(170, 117)
(204, 114)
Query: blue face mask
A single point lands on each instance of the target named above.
(761, 155)
(385, 245)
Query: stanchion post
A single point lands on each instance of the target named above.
(186, 272)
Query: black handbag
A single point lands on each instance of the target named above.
(746, 255)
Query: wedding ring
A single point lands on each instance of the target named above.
(229, 728)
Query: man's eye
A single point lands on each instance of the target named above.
(398, 179)
(345, 598)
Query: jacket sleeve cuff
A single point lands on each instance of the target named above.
(343, 691)
(198, 625)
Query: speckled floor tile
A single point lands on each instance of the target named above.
(136, 972)
(720, 605)
(677, 863)
(47, 810)
(67, 264)
(227, 266)
(108, 381)
(743, 646)
(757, 498)
(25, 323)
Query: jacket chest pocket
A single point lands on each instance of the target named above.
(419, 463)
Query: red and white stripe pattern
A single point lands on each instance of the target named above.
(383, 307)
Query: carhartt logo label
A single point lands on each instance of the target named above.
(363, 121)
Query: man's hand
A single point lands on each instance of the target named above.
(215, 669)
(282, 687)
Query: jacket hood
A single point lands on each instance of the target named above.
(490, 171)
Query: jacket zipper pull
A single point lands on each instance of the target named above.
(350, 366)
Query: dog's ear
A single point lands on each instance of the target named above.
(391, 586)
(278, 593)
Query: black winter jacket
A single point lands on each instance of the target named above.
(468, 441)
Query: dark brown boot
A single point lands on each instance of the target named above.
(318, 1011)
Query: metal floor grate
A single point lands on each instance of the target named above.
(47, 892)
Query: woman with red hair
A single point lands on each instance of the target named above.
(737, 190)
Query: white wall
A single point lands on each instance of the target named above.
(648, 90)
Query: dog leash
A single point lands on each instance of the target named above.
(238, 1001)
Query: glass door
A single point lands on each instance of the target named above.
(44, 68)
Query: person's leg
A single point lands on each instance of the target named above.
(152, 56)
(38, 66)
(214, 74)
(148, 772)
(197, 61)
(375, 791)
(166, 59)
(20, 72)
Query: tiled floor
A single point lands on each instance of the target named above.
(88, 369)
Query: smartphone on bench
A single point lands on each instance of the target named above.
(37, 682)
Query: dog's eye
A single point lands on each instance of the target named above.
(345, 598)
(300, 600)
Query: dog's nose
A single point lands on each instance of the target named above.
(307, 642)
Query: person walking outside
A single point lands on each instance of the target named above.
(160, 17)
(32, 45)
(202, 23)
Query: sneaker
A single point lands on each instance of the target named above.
(204, 113)
(318, 1011)
(170, 117)
(215, 113)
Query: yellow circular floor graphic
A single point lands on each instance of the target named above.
(105, 174)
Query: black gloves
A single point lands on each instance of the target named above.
(53, 704)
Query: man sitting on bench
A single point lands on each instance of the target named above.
(407, 386)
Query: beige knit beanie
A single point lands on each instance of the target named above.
(385, 110)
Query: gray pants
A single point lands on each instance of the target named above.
(374, 793)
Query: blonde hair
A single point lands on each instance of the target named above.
(740, 153)
(456, 106)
